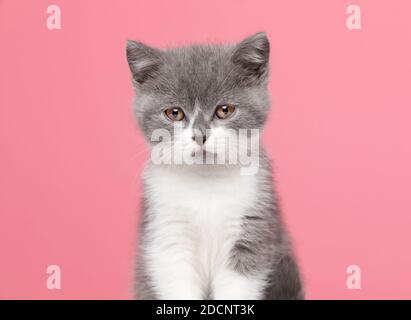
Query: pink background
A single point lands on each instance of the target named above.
(70, 154)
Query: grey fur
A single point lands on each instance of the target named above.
(265, 242)
(205, 76)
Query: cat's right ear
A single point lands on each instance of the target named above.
(143, 60)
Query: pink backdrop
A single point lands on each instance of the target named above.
(70, 155)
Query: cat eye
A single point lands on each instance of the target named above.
(174, 114)
(224, 111)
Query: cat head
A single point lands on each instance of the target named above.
(200, 94)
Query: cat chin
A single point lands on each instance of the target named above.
(198, 166)
(204, 171)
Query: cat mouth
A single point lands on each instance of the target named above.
(202, 152)
(203, 156)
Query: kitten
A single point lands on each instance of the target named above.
(209, 230)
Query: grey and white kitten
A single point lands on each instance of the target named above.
(207, 230)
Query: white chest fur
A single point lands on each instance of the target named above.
(195, 219)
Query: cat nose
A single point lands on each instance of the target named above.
(201, 139)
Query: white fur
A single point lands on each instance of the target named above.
(195, 219)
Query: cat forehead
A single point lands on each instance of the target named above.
(197, 72)
(198, 57)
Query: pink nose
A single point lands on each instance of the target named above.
(200, 139)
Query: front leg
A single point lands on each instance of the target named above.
(171, 264)
(232, 285)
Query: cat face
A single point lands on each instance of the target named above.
(202, 95)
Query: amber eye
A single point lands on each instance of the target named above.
(224, 111)
(175, 114)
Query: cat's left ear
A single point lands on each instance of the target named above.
(252, 55)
